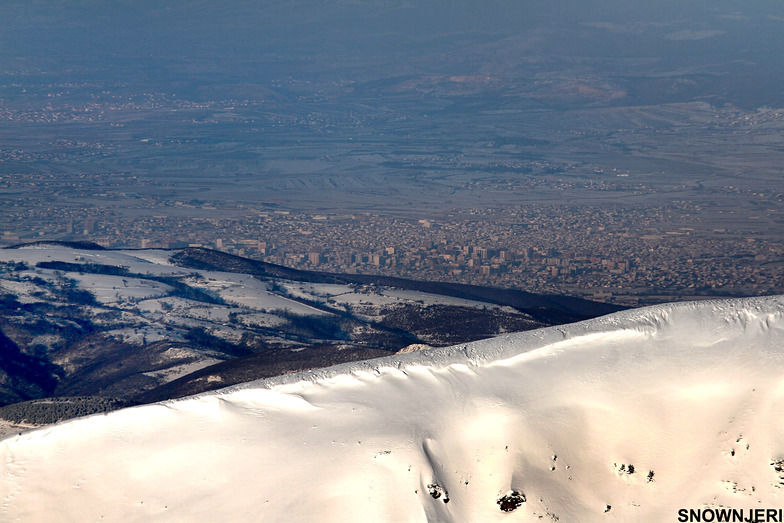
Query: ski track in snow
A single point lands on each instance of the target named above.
(689, 396)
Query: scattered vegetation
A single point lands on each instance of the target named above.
(183, 290)
(23, 376)
(202, 339)
(74, 295)
(84, 268)
(13, 266)
(465, 323)
(315, 325)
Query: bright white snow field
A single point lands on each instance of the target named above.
(693, 392)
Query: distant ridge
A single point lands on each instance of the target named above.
(548, 308)
(87, 246)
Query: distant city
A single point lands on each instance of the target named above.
(624, 256)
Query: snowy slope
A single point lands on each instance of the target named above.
(690, 392)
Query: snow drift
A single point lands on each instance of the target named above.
(629, 417)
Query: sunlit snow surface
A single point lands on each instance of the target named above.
(693, 392)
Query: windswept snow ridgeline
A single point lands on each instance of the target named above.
(628, 417)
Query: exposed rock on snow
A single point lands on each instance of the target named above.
(413, 348)
(509, 502)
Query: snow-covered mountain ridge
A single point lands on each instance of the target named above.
(628, 417)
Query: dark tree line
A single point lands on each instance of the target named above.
(52, 410)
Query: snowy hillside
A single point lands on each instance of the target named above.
(628, 417)
(134, 325)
